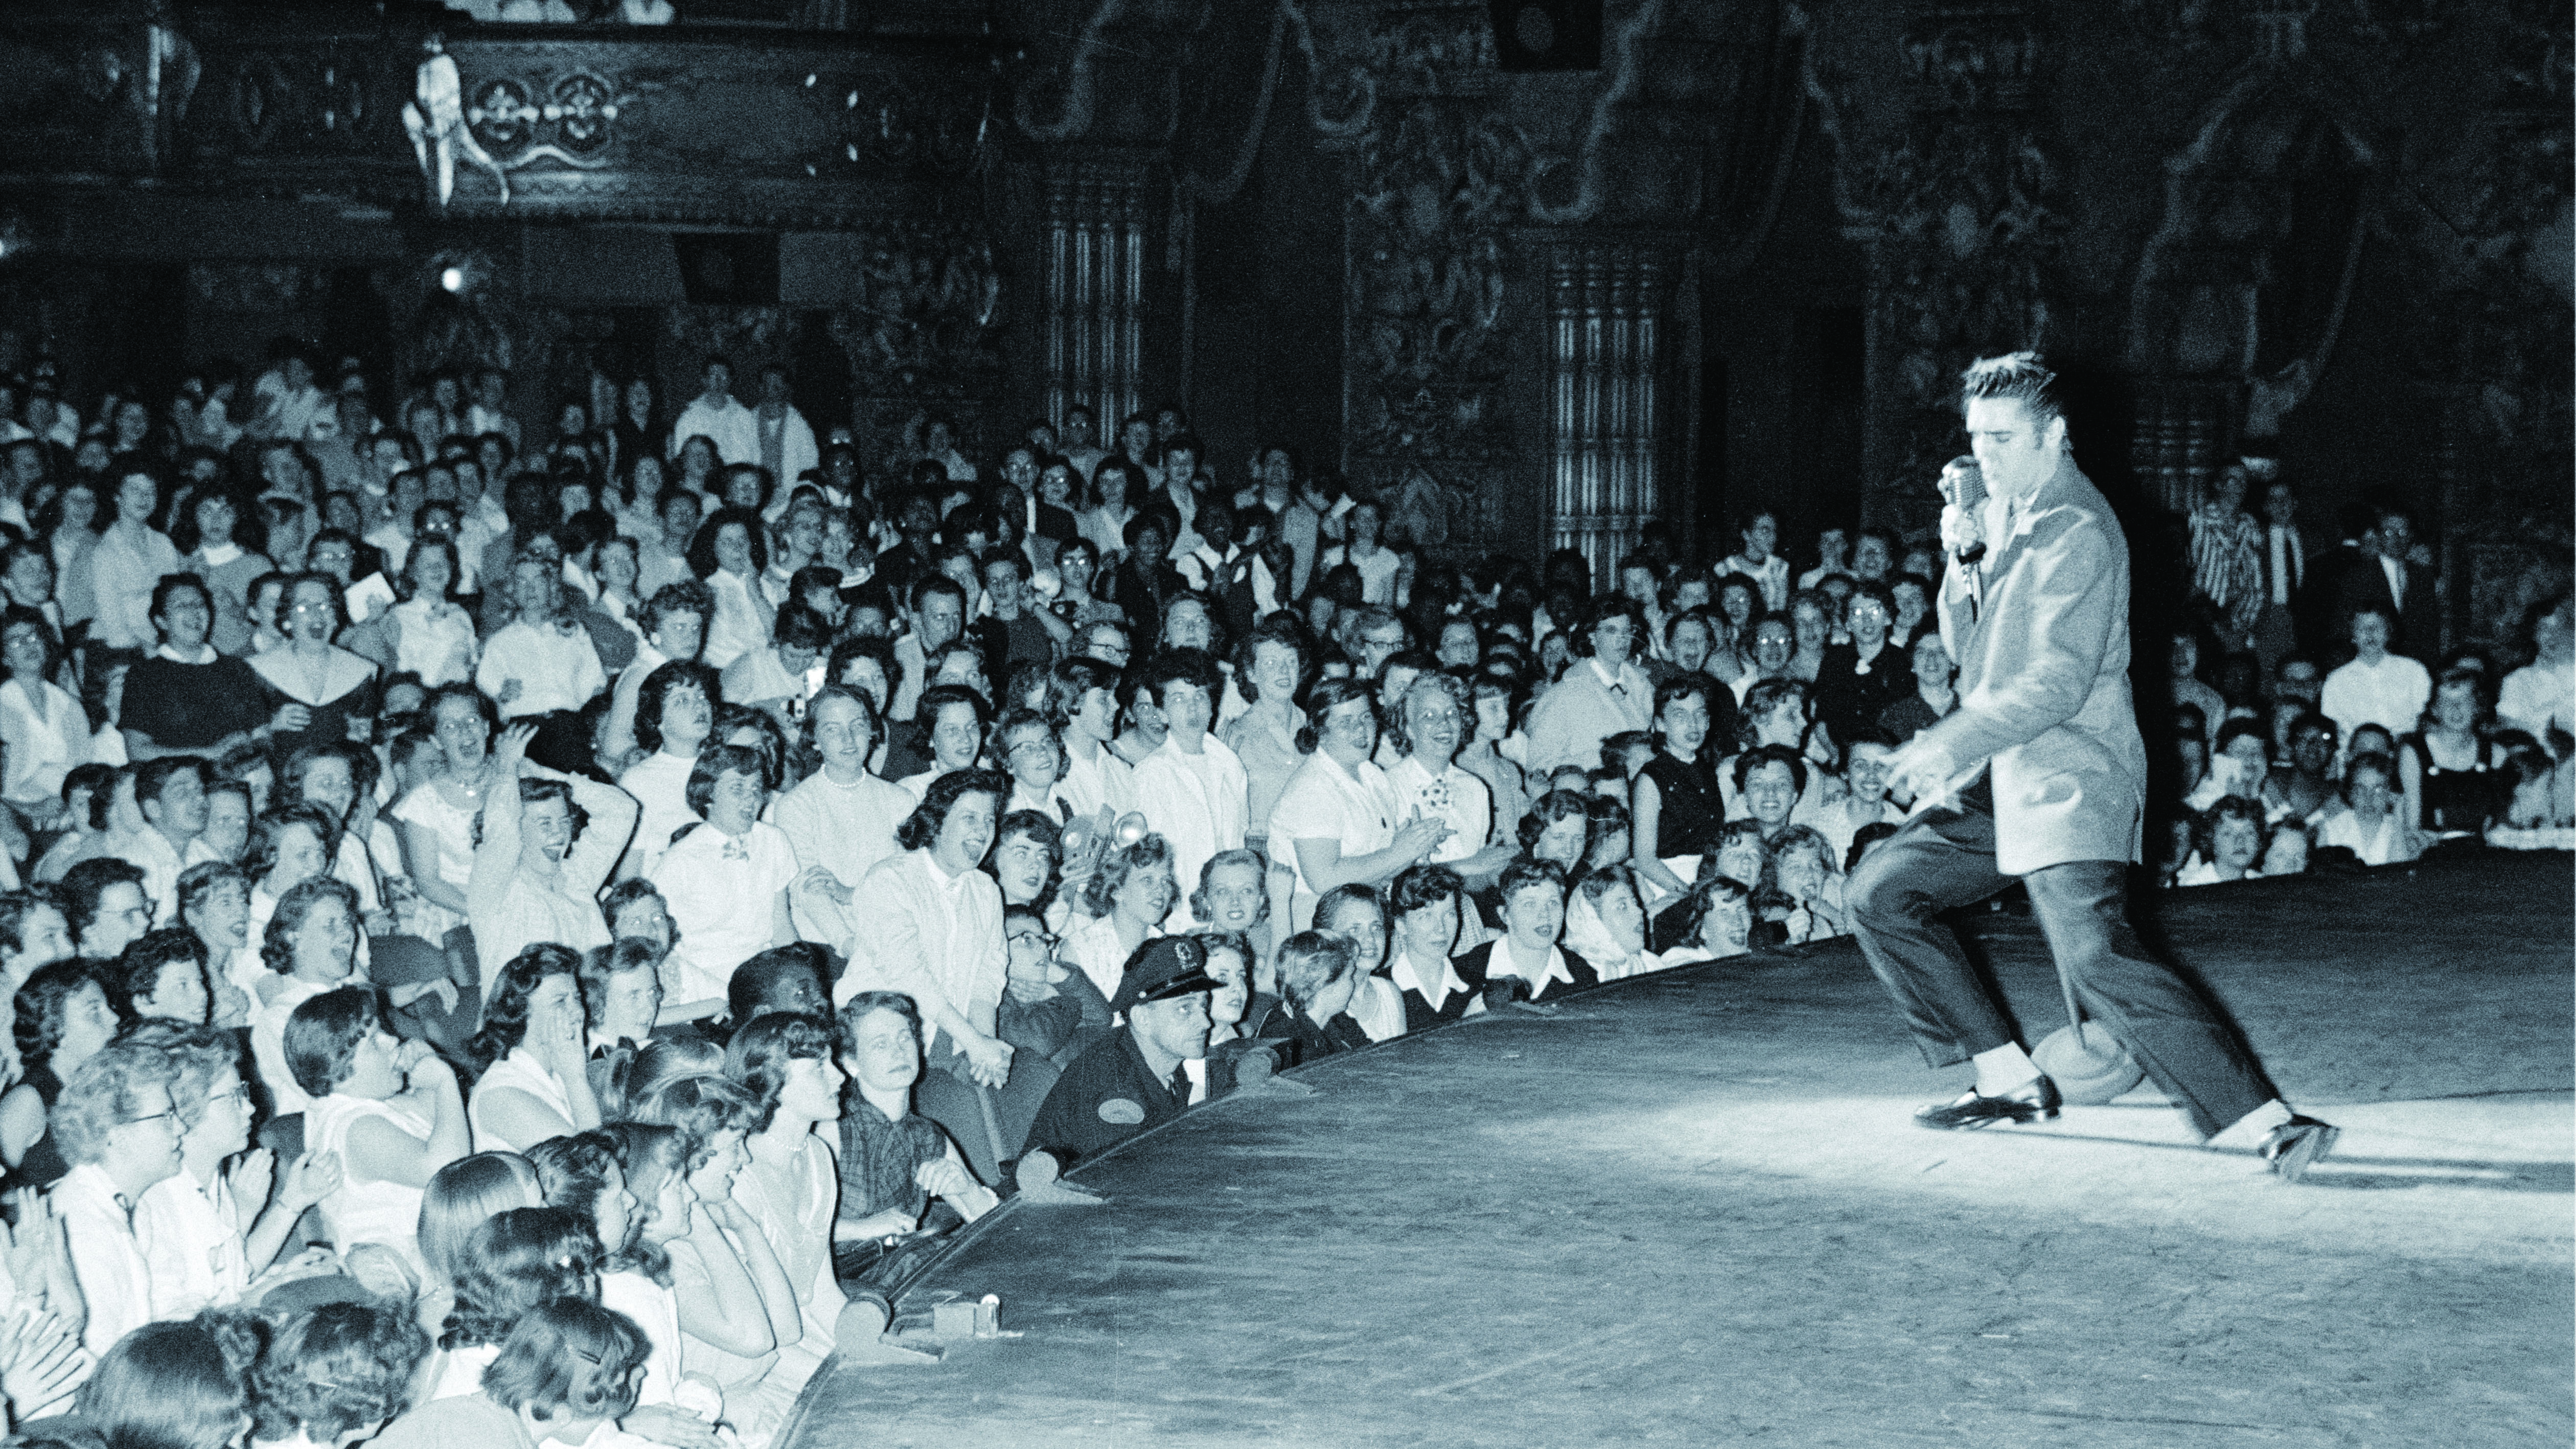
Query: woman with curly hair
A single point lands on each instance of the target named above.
(63, 1019)
(390, 1109)
(566, 1371)
(519, 1260)
(1124, 905)
(529, 1060)
(311, 946)
(334, 1375)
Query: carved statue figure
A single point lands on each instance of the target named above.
(435, 116)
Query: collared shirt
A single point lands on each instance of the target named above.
(2391, 694)
(123, 573)
(721, 891)
(925, 932)
(729, 425)
(1434, 994)
(1093, 946)
(1455, 795)
(2394, 570)
(555, 670)
(1587, 706)
(1103, 782)
(1503, 962)
(107, 1258)
(1771, 576)
(1326, 802)
(1196, 802)
(191, 1237)
(151, 852)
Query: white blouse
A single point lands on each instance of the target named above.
(43, 735)
(519, 1071)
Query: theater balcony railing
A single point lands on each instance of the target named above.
(367, 104)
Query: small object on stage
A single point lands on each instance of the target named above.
(952, 1322)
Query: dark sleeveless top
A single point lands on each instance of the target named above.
(2460, 799)
(1689, 811)
(43, 1166)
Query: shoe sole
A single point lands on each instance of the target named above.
(2309, 1150)
(2037, 1114)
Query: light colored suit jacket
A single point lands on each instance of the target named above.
(2040, 629)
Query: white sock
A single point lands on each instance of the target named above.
(2002, 1069)
(2250, 1129)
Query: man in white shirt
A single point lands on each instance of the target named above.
(403, 497)
(2377, 687)
(172, 793)
(1768, 571)
(783, 442)
(2541, 696)
(114, 1123)
(1192, 790)
(714, 415)
(540, 661)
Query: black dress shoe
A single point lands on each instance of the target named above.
(2036, 1102)
(2297, 1145)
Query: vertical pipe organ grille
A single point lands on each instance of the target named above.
(1095, 285)
(1605, 303)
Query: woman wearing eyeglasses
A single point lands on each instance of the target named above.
(335, 689)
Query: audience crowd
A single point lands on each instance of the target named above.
(535, 927)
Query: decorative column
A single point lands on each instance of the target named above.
(1607, 305)
(1095, 287)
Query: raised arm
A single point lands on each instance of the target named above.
(496, 860)
(613, 814)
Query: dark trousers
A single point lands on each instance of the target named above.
(1945, 858)
(989, 1125)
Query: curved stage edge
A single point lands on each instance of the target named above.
(1689, 1208)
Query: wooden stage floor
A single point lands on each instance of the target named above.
(1692, 1211)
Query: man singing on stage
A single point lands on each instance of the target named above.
(2039, 774)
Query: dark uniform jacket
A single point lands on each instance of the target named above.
(1111, 1081)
